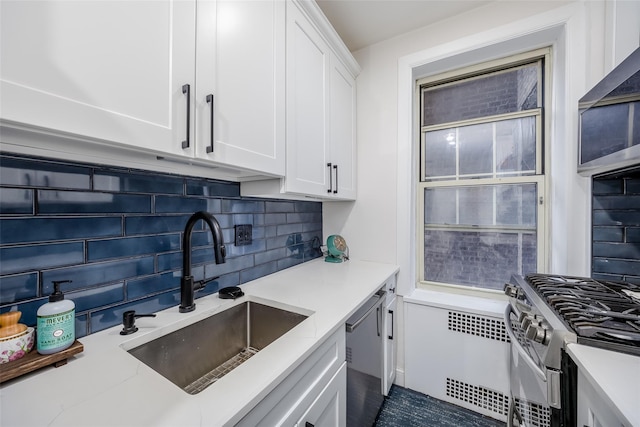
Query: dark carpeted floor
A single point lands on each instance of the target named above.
(408, 408)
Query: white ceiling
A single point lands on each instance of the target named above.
(361, 23)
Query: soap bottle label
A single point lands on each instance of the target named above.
(56, 330)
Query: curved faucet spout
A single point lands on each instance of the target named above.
(186, 285)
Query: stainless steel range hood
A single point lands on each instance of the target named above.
(609, 137)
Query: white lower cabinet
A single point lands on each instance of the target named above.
(330, 408)
(315, 390)
(593, 411)
(390, 345)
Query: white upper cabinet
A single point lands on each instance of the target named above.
(252, 88)
(342, 135)
(320, 111)
(105, 70)
(321, 102)
(155, 76)
(240, 84)
(308, 65)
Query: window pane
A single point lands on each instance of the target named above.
(513, 140)
(440, 206)
(476, 205)
(456, 252)
(496, 93)
(476, 149)
(481, 137)
(477, 258)
(440, 153)
(516, 145)
(516, 205)
(504, 205)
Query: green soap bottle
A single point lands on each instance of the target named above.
(56, 322)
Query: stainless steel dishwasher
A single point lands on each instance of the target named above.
(364, 362)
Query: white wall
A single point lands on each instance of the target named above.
(589, 38)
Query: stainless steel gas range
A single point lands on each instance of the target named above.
(544, 314)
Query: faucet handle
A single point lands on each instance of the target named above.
(200, 284)
(129, 321)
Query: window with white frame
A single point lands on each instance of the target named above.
(481, 184)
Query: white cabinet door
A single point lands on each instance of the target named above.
(240, 79)
(321, 108)
(320, 113)
(308, 61)
(390, 347)
(593, 409)
(106, 70)
(289, 400)
(342, 131)
(330, 407)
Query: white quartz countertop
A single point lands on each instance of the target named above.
(106, 386)
(614, 375)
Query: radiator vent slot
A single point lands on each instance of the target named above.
(479, 326)
(533, 414)
(349, 355)
(481, 397)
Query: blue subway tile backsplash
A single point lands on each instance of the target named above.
(42, 173)
(32, 229)
(212, 188)
(16, 201)
(616, 226)
(18, 287)
(131, 246)
(80, 202)
(126, 182)
(16, 259)
(117, 235)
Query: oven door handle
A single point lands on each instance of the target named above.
(519, 347)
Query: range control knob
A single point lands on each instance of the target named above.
(536, 333)
(512, 291)
(529, 319)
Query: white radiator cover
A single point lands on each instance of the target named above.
(457, 350)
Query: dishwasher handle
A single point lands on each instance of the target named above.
(352, 326)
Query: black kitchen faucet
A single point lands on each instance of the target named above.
(187, 285)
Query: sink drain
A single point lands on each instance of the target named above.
(211, 377)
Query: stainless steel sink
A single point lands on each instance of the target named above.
(197, 355)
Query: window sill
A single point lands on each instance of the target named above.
(489, 306)
(491, 294)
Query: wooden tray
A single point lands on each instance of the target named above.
(34, 360)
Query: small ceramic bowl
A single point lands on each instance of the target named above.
(15, 348)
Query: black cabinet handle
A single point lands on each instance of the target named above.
(210, 101)
(330, 189)
(186, 90)
(391, 313)
(335, 167)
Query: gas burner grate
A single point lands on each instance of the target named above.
(594, 309)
